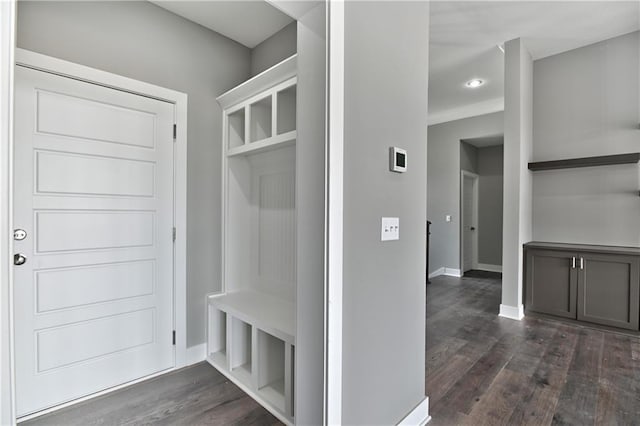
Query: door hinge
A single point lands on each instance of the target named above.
(173, 234)
(174, 337)
(175, 132)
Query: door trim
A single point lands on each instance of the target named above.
(179, 100)
(7, 50)
(474, 243)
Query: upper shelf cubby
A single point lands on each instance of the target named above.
(604, 160)
(260, 114)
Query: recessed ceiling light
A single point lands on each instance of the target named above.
(476, 82)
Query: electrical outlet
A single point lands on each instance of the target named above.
(390, 229)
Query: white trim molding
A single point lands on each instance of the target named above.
(466, 111)
(489, 268)
(450, 272)
(334, 201)
(436, 273)
(419, 416)
(7, 49)
(196, 354)
(512, 312)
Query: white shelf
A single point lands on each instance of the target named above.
(261, 82)
(268, 144)
(265, 312)
(219, 359)
(274, 393)
(243, 373)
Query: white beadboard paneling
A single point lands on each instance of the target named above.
(119, 124)
(92, 339)
(60, 231)
(57, 172)
(69, 287)
(277, 227)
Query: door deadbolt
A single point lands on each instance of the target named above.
(19, 259)
(19, 234)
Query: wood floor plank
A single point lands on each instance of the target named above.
(577, 401)
(538, 405)
(616, 404)
(441, 380)
(497, 404)
(194, 395)
(464, 394)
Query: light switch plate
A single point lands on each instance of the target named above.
(447, 218)
(390, 229)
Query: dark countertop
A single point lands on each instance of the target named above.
(582, 247)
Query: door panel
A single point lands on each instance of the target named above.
(609, 290)
(94, 191)
(468, 219)
(551, 282)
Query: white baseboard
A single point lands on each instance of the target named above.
(489, 268)
(437, 273)
(419, 416)
(452, 272)
(196, 354)
(512, 312)
(446, 271)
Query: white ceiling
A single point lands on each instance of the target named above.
(247, 22)
(464, 38)
(485, 141)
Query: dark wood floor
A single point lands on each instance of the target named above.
(196, 395)
(483, 369)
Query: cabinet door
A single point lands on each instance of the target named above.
(609, 289)
(551, 281)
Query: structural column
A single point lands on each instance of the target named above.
(518, 143)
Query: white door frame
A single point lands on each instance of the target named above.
(7, 49)
(80, 72)
(474, 243)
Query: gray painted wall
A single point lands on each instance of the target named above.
(276, 48)
(468, 157)
(310, 191)
(586, 103)
(147, 43)
(385, 99)
(443, 168)
(490, 165)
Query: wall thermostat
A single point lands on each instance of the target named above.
(397, 159)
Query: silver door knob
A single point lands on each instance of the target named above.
(19, 259)
(19, 234)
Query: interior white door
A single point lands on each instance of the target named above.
(94, 192)
(468, 224)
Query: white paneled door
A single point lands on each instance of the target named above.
(469, 220)
(94, 194)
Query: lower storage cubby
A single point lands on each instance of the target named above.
(240, 352)
(217, 339)
(271, 369)
(246, 350)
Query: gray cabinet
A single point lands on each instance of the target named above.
(551, 282)
(594, 284)
(609, 289)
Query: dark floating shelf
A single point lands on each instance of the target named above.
(604, 160)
